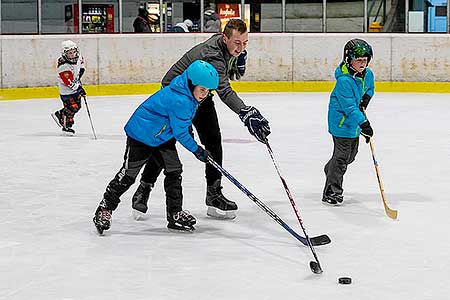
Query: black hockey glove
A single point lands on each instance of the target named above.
(201, 154)
(81, 91)
(364, 102)
(81, 73)
(256, 124)
(366, 130)
(241, 62)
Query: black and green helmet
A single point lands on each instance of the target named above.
(357, 48)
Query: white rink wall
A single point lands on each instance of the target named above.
(30, 60)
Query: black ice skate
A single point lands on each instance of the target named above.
(68, 130)
(59, 118)
(332, 199)
(140, 200)
(181, 221)
(102, 218)
(61, 122)
(219, 207)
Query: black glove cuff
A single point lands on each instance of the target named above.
(366, 99)
(365, 125)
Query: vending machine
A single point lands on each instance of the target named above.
(95, 18)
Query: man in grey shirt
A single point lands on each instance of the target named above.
(226, 52)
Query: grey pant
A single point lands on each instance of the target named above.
(344, 153)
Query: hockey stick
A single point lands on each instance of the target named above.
(89, 115)
(315, 265)
(391, 213)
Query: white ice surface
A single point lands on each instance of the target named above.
(50, 186)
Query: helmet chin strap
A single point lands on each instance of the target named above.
(353, 71)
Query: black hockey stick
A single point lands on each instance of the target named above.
(89, 115)
(315, 265)
(316, 241)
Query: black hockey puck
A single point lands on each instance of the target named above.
(345, 280)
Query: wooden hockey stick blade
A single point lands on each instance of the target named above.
(391, 213)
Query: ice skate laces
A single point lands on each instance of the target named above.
(183, 215)
(105, 214)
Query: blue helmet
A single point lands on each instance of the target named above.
(204, 74)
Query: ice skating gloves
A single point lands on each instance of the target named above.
(81, 91)
(201, 154)
(256, 124)
(238, 66)
(366, 130)
(241, 63)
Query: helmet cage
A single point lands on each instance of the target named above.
(67, 46)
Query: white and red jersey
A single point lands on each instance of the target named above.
(69, 75)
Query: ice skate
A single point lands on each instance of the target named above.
(68, 130)
(181, 221)
(333, 199)
(140, 200)
(59, 119)
(103, 217)
(219, 207)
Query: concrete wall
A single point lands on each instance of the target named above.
(30, 61)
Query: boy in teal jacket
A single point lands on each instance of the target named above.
(153, 129)
(346, 119)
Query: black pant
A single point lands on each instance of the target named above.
(207, 126)
(136, 155)
(344, 153)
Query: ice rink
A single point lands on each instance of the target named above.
(51, 185)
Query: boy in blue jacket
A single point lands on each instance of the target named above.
(153, 129)
(346, 119)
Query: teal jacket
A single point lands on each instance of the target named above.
(344, 116)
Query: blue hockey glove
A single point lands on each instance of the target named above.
(366, 130)
(256, 124)
(201, 154)
(241, 62)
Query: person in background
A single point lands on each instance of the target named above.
(70, 70)
(185, 26)
(153, 19)
(142, 23)
(211, 20)
(152, 131)
(346, 119)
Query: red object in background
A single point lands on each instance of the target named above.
(96, 18)
(75, 18)
(110, 18)
(228, 11)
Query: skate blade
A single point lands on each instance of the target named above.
(216, 213)
(55, 118)
(182, 230)
(138, 216)
(65, 133)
